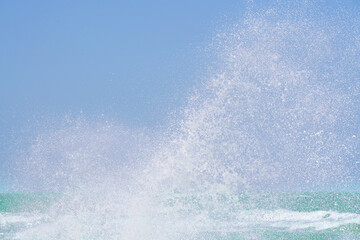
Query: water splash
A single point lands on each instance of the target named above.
(278, 112)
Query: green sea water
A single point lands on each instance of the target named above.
(26, 202)
(216, 216)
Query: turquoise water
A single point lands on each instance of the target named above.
(203, 216)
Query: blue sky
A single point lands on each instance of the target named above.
(133, 61)
(100, 56)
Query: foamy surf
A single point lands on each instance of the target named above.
(242, 223)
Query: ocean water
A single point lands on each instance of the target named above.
(266, 146)
(217, 216)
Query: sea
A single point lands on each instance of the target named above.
(308, 215)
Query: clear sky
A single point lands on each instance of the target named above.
(134, 61)
(131, 60)
(96, 56)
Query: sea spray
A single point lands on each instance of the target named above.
(280, 110)
(277, 113)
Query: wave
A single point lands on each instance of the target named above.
(88, 225)
(278, 112)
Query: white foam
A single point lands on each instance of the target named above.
(291, 220)
(7, 219)
(163, 226)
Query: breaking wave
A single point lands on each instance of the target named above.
(277, 112)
